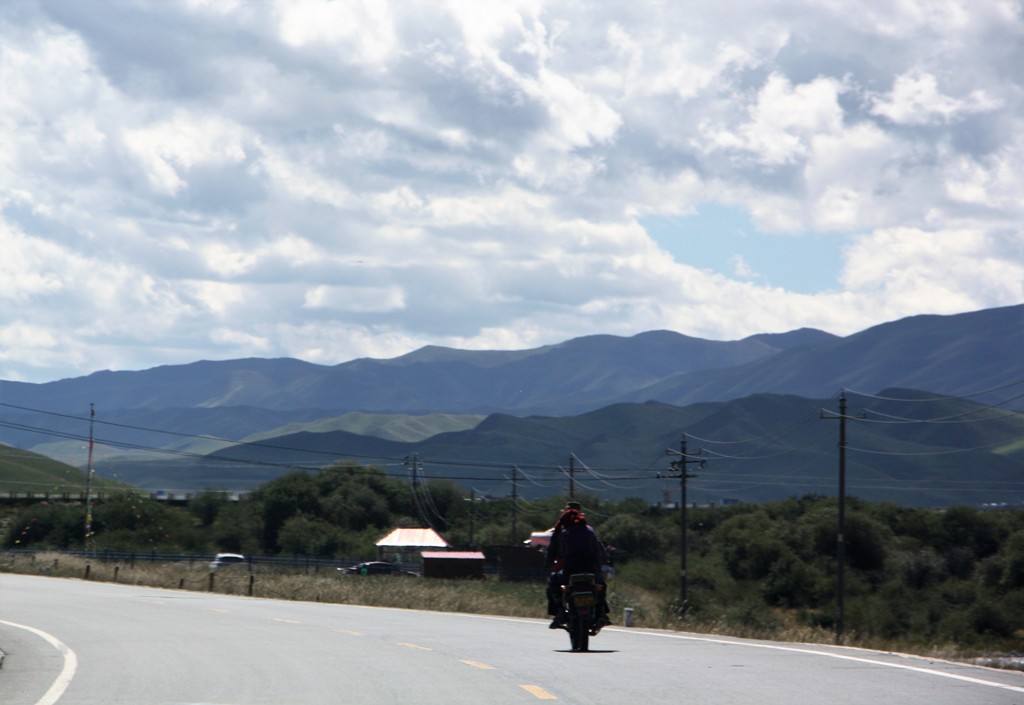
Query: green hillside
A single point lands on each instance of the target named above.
(918, 451)
(393, 427)
(22, 471)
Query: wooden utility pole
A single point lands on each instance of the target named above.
(572, 477)
(841, 534)
(515, 506)
(88, 481)
(680, 467)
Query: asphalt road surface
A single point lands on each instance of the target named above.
(70, 642)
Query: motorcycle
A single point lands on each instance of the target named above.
(582, 607)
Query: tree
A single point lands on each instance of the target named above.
(207, 505)
(47, 526)
(632, 538)
(280, 500)
(303, 535)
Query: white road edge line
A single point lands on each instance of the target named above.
(794, 649)
(51, 696)
(844, 657)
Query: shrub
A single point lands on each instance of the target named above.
(47, 525)
(918, 569)
(658, 576)
(751, 617)
(793, 583)
(969, 528)
(1013, 562)
(633, 538)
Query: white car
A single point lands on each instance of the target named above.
(222, 560)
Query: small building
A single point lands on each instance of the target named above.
(521, 563)
(539, 539)
(405, 545)
(453, 564)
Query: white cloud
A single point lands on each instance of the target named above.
(915, 99)
(172, 147)
(783, 121)
(908, 269)
(356, 299)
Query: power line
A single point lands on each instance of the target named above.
(982, 392)
(951, 419)
(788, 451)
(948, 451)
(781, 432)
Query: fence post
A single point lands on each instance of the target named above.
(209, 587)
(88, 567)
(117, 569)
(252, 581)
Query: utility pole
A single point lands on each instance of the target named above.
(414, 463)
(572, 477)
(841, 536)
(680, 467)
(472, 515)
(88, 481)
(515, 506)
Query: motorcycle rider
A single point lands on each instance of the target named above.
(574, 548)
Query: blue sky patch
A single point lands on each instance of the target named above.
(725, 240)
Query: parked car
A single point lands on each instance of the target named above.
(223, 560)
(376, 568)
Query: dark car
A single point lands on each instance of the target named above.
(376, 568)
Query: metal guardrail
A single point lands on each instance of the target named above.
(301, 563)
(307, 565)
(158, 495)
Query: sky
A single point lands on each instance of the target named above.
(187, 180)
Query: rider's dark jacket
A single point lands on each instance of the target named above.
(574, 547)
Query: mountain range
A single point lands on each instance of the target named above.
(612, 401)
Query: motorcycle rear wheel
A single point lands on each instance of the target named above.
(579, 636)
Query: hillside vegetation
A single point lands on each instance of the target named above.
(917, 579)
(22, 472)
(916, 451)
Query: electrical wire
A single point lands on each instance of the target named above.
(779, 433)
(951, 419)
(608, 478)
(982, 392)
(948, 451)
(788, 451)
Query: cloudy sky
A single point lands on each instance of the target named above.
(214, 179)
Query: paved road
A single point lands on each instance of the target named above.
(70, 642)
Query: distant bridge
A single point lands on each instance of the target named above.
(175, 498)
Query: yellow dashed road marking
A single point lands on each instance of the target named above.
(477, 664)
(350, 632)
(538, 692)
(286, 621)
(414, 646)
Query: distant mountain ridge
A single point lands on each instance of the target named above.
(610, 399)
(954, 355)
